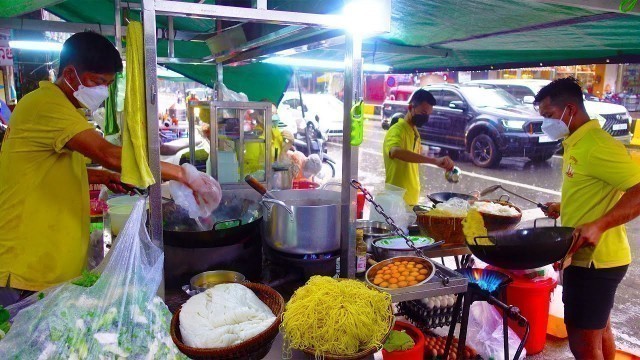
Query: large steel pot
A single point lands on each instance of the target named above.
(302, 221)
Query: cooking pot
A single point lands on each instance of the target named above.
(209, 279)
(373, 230)
(302, 221)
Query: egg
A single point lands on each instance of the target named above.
(436, 303)
(430, 303)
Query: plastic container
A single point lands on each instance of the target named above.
(118, 216)
(533, 299)
(360, 204)
(304, 184)
(415, 353)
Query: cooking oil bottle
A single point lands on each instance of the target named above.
(361, 253)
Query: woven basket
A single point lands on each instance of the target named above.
(255, 348)
(448, 229)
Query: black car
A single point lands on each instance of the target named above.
(482, 120)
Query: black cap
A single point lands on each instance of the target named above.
(421, 95)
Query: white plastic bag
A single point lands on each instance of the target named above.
(119, 316)
(392, 201)
(485, 335)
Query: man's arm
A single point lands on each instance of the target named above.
(625, 210)
(92, 145)
(409, 156)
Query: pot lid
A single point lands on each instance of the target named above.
(398, 243)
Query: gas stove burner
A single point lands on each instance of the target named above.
(324, 256)
(488, 280)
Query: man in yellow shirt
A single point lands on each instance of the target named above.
(600, 193)
(402, 150)
(44, 182)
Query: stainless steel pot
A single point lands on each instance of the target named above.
(373, 230)
(381, 253)
(209, 279)
(302, 221)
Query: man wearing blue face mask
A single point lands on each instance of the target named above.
(600, 193)
(44, 182)
(402, 150)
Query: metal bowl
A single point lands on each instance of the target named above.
(209, 279)
(381, 253)
(373, 230)
(371, 273)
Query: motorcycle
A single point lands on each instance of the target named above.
(313, 141)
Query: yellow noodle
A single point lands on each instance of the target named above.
(472, 226)
(338, 317)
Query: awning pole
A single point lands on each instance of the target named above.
(352, 93)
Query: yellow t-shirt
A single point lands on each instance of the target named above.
(401, 173)
(254, 152)
(44, 193)
(597, 169)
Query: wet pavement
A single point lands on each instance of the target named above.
(540, 182)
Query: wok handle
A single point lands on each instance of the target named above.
(544, 207)
(255, 184)
(535, 222)
(492, 238)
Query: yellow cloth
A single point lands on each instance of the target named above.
(135, 162)
(401, 173)
(597, 169)
(44, 193)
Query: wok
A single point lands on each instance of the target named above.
(441, 197)
(526, 248)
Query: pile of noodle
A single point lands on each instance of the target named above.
(336, 317)
(473, 226)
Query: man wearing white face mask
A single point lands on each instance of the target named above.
(600, 193)
(44, 194)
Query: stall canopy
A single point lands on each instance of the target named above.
(425, 35)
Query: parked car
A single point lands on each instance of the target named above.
(325, 109)
(615, 119)
(483, 121)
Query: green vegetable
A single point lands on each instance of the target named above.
(87, 279)
(4, 322)
(398, 341)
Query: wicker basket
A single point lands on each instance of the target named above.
(448, 229)
(255, 348)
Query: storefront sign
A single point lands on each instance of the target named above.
(6, 57)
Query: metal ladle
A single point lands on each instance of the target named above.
(493, 188)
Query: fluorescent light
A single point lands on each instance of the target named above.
(367, 17)
(322, 64)
(36, 45)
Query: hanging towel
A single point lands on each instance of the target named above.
(135, 163)
(110, 117)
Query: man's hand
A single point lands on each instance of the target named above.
(586, 235)
(553, 210)
(108, 178)
(444, 162)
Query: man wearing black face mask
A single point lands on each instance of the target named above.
(402, 148)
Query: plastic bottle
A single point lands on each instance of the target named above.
(361, 253)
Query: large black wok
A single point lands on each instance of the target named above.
(235, 218)
(441, 197)
(527, 248)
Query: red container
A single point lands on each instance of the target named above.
(304, 184)
(360, 204)
(533, 299)
(415, 353)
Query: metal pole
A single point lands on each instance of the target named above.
(153, 140)
(118, 25)
(191, 118)
(352, 93)
(219, 81)
(171, 37)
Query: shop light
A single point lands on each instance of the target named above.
(35, 45)
(367, 17)
(322, 64)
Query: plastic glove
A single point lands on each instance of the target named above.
(206, 190)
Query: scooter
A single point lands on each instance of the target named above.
(312, 141)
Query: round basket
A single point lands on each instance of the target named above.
(444, 228)
(255, 348)
(495, 222)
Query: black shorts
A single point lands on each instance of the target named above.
(588, 295)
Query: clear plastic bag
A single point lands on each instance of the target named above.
(392, 201)
(485, 335)
(119, 316)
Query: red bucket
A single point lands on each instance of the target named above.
(415, 353)
(533, 298)
(304, 184)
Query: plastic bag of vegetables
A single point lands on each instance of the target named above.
(116, 315)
